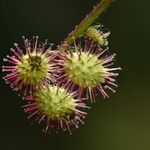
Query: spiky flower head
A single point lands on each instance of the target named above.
(96, 34)
(30, 67)
(57, 107)
(87, 69)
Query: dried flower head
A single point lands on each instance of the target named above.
(96, 34)
(28, 71)
(57, 107)
(87, 69)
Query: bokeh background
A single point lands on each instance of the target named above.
(119, 123)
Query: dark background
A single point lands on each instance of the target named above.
(119, 123)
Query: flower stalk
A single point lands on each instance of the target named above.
(79, 29)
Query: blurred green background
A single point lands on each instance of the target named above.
(119, 123)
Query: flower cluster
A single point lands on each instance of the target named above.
(55, 84)
(57, 107)
(86, 70)
(30, 68)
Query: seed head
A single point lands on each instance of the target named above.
(28, 71)
(87, 69)
(57, 107)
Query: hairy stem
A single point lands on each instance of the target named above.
(79, 30)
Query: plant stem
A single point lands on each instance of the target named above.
(79, 30)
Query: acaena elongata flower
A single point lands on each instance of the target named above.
(53, 83)
(56, 108)
(29, 67)
(87, 68)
